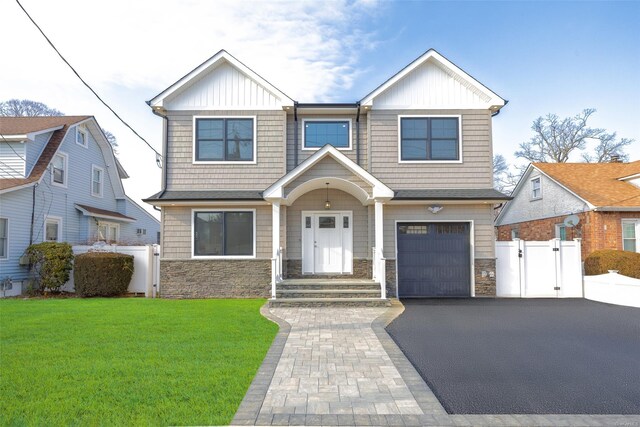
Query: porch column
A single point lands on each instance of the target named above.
(379, 257)
(275, 258)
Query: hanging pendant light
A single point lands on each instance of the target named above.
(327, 203)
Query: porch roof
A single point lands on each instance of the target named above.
(204, 195)
(451, 194)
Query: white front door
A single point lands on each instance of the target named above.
(327, 242)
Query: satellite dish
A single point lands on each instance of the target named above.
(571, 221)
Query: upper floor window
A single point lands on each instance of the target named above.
(81, 137)
(4, 237)
(631, 235)
(228, 139)
(59, 169)
(97, 178)
(536, 188)
(318, 133)
(430, 139)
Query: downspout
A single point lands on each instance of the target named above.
(358, 135)
(165, 144)
(33, 212)
(295, 134)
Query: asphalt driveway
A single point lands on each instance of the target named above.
(519, 356)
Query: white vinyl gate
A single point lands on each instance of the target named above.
(533, 269)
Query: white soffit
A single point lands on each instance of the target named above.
(432, 82)
(222, 82)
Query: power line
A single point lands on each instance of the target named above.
(158, 155)
(12, 149)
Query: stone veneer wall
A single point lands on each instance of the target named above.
(390, 266)
(485, 286)
(213, 278)
(293, 270)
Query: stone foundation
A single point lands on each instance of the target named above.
(293, 270)
(215, 278)
(390, 266)
(485, 286)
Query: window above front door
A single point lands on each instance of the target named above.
(319, 132)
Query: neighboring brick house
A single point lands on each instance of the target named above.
(604, 196)
(396, 187)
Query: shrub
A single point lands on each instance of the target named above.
(102, 274)
(599, 262)
(50, 263)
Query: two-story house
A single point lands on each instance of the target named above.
(60, 181)
(395, 188)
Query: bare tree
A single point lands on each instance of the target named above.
(26, 108)
(112, 140)
(556, 139)
(503, 179)
(608, 148)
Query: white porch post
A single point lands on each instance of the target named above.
(275, 259)
(379, 260)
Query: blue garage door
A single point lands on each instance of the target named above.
(433, 259)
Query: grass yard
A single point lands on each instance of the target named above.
(128, 361)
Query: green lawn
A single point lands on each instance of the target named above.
(128, 361)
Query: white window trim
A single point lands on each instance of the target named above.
(225, 162)
(193, 235)
(65, 157)
(557, 230)
(635, 221)
(86, 137)
(426, 116)
(328, 119)
(539, 178)
(6, 254)
(102, 177)
(56, 219)
(108, 224)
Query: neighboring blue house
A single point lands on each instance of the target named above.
(60, 181)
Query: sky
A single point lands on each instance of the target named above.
(544, 57)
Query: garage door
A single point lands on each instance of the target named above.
(434, 259)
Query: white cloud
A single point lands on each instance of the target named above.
(131, 50)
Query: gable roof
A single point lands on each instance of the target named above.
(26, 125)
(494, 101)
(597, 183)
(379, 190)
(207, 67)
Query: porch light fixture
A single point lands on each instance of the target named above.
(435, 209)
(327, 203)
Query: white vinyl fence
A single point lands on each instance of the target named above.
(539, 269)
(613, 288)
(146, 267)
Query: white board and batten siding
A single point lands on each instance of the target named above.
(539, 269)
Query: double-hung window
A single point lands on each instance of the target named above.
(318, 133)
(631, 235)
(224, 139)
(97, 181)
(108, 231)
(429, 139)
(224, 233)
(81, 137)
(59, 169)
(4, 237)
(52, 229)
(536, 189)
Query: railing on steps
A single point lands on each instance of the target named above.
(276, 271)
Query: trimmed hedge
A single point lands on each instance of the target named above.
(51, 263)
(103, 274)
(599, 262)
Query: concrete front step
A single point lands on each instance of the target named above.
(328, 293)
(314, 284)
(329, 302)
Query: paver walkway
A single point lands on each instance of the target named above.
(338, 366)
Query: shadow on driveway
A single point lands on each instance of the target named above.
(523, 356)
